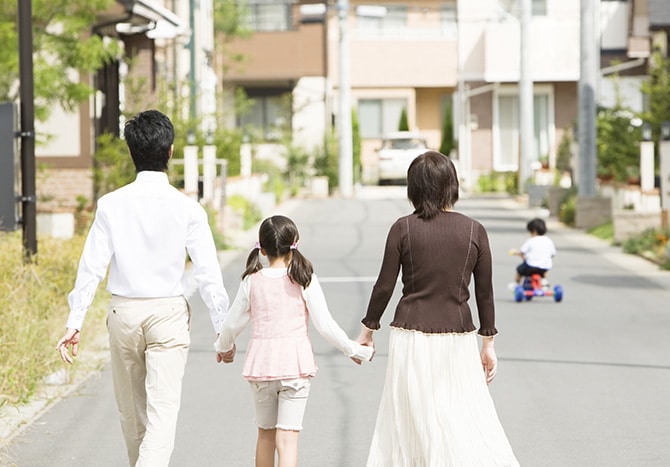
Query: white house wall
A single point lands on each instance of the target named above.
(309, 112)
(60, 135)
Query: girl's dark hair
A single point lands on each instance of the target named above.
(432, 184)
(149, 136)
(537, 225)
(276, 235)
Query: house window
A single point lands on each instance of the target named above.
(448, 20)
(377, 117)
(269, 115)
(539, 8)
(506, 156)
(382, 20)
(268, 15)
(513, 7)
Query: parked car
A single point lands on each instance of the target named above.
(397, 152)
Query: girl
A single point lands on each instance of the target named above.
(280, 362)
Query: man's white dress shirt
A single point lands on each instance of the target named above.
(146, 229)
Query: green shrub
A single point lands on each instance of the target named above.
(568, 208)
(498, 182)
(403, 124)
(113, 166)
(250, 213)
(447, 143)
(326, 162)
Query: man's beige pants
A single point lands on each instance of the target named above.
(148, 340)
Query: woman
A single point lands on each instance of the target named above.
(435, 409)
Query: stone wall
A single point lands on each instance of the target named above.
(628, 223)
(58, 189)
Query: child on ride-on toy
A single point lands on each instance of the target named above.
(537, 253)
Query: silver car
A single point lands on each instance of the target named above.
(397, 152)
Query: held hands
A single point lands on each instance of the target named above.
(226, 357)
(365, 338)
(71, 338)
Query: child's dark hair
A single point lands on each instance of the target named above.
(537, 225)
(278, 235)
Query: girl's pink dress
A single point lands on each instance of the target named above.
(279, 347)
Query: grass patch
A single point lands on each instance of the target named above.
(33, 311)
(604, 231)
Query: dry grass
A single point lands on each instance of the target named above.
(33, 311)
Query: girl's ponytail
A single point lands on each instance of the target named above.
(253, 261)
(300, 269)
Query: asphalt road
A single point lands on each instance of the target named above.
(584, 382)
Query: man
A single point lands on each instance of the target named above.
(145, 229)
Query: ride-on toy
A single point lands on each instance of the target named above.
(532, 286)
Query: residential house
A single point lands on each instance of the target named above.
(284, 72)
(418, 56)
(157, 45)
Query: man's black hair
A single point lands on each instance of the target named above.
(149, 136)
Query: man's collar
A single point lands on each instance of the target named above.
(152, 176)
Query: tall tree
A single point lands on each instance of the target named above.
(65, 47)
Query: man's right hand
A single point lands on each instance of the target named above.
(71, 338)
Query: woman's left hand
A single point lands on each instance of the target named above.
(489, 361)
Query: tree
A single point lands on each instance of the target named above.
(657, 88)
(403, 125)
(447, 144)
(618, 143)
(64, 46)
(229, 25)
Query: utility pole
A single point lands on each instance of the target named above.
(526, 130)
(345, 143)
(587, 100)
(191, 74)
(27, 131)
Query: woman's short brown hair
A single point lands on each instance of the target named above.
(432, 184)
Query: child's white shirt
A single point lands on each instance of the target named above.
(538, 251)
(239, 316)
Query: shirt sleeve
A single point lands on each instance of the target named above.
(93, 264)
(483, 276)
(236, 320)
(326, 326)
(206, 269)
(386, 280)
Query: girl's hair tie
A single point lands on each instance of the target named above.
(257, 246)
(294, 246)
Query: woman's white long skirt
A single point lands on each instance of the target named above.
(436, 410)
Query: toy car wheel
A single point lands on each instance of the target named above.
(518, 293)
(558, 293)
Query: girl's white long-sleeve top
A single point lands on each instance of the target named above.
(239, 316)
